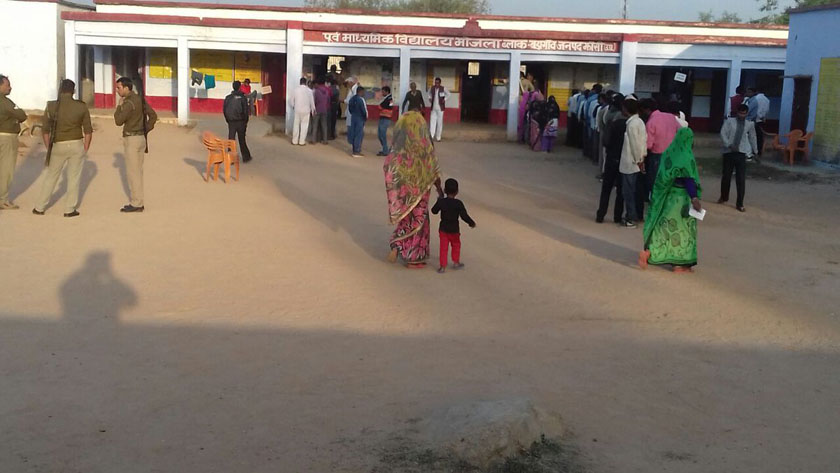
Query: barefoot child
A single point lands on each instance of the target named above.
(450, 210)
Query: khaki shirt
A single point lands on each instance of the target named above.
(10, 116)
(73, 119)
(129, 115)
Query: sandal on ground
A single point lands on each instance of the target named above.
(415, 265)
(741, 209)
(683, 269)
(441, 270)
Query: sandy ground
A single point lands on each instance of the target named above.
(255, 326)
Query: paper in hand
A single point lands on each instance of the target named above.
(698, 215)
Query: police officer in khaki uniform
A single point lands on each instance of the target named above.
(10, 119)
(73, 133)
(131, 114)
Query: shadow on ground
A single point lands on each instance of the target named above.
(86, 391)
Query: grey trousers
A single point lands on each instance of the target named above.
(8, 160)
(134, 148)
(72, 153)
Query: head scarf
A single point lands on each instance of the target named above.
(411, 168)
(677, 162)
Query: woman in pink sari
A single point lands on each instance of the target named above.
(411, 169)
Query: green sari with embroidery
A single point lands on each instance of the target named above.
(670, 233)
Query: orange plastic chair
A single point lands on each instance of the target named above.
(231, 157)
(803, 146)
(215, 153)
(794, 137)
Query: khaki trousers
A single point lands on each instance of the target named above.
(72, 153)
(8, 160)
(134, 148)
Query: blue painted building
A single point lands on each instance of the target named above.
(811, 93)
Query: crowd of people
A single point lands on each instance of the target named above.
(643, 149)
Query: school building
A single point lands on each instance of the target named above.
(189, 53)
(811, 97)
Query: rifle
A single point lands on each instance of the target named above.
(54, 124)
(142, 92)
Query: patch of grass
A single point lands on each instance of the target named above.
(543, 456)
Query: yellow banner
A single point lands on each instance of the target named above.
(561, 95)
(247, 66)
(163, 63)
(215, 63)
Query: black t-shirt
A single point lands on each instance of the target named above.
(450, 210)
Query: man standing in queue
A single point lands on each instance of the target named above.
(137, 119)
(10, 119)
(69, 120)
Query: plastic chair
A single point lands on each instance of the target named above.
(789, 151)
(215, 153)
(803, 146)
(231, 157)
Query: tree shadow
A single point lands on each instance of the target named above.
(119, 163)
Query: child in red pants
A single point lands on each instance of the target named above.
(451, 209)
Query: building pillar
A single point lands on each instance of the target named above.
(294, 67)
(99, 75)
(405, 76)
(71, 58)
(184, 78)
(627, 65)
(513, 95)
(733, 80)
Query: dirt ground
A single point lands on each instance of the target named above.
(256, 326)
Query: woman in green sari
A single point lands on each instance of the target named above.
(670, 234)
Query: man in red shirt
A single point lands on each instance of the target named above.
(736, 100)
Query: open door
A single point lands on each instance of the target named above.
(801, 104)
(274, 75)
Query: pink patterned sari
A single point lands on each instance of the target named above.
(410, 172)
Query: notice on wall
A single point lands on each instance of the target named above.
(648, 80)
(215, 63)
(827, 120)
(247, 66)
(163, 63)
(448, 77)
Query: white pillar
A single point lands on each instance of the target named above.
(733, 80)
(99, 70)
(71, 58)
(513, 95)
(108, 71)
(405, 76)
(183, 81)
(294, 68)
(627, 65)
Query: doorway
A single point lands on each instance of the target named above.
(476, 92)
(801, 103)
(274, 76)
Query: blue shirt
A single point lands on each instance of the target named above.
(753, 105)
(358, 108)
(591, 102)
